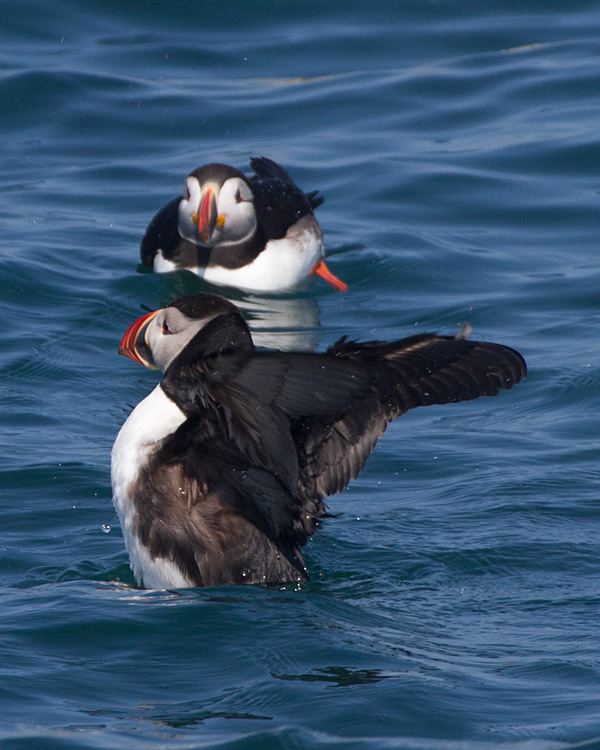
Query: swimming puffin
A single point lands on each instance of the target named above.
(219, 475)
(257, 233)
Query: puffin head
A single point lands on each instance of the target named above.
(201, 324)
(217, 206)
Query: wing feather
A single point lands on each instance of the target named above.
(278, 201)
(160, 233)
(418, 371)
(300, 426)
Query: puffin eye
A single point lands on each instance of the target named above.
(186, 192)
(165, 327)
(238, 197)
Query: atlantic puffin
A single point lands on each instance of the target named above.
(257, 233)
(219, 475)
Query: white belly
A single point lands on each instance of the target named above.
(281, 265)
(152, 420)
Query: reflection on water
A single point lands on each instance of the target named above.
(287, 323)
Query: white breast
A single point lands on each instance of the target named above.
(162, 265)
(152, 420)
(281, 265)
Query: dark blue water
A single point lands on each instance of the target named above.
(454, 601)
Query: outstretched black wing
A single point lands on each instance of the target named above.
(251, 399)
(270, 434)
(313, 419)
(418, 371)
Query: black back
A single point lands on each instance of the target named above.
(278, 201)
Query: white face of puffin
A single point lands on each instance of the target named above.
(211, 215)
(157, 338)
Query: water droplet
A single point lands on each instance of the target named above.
(106, 528)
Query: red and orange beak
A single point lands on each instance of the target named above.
(207, 218)
(321, 270)
(134, 343)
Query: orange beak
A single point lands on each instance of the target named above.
(321, 270)
(134, 344)
(207, 219)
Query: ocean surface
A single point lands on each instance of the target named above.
(455, 595)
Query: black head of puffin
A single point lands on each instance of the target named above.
(208, 323)
(217, 206)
